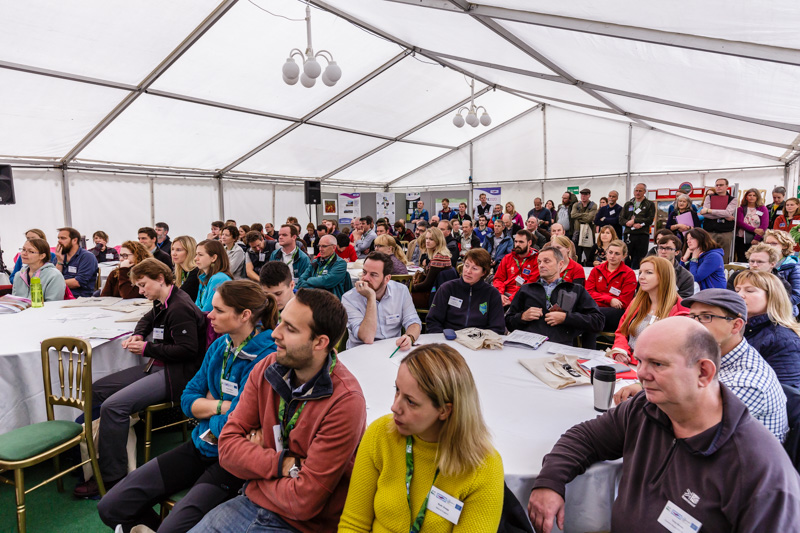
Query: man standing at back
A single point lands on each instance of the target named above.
(719, 208)
(608, 215)
(289, 253)
(327, 271)
(582, 214)
(637, 216)
(482, 208)
(544, 215)
(446, 213)
(78, 266)
(420, 213)
(778, 204)
(294, 435)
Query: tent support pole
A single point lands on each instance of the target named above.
(274, 191)
(220, 198)
(152, 204)
(471, 173)
(544, 140)
(65, 196)
(628, 173)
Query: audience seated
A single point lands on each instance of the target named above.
(604, 237)
(741, 369)
(660, 233)
(417, 247)
(344, 249)
(517, 268)
(656, 299)
(762, 257)
(386, 244)
(297, 473)
(245, 322)
(379, 308)
(162, 240)
(703, 258)
(402, 233)
(216, 229)
(557, 230)
(148, 238)
(213, 270)
(789, 219)
(483, 230)
(788, 267)
(452, 245)
(726, 473)
(269, 231)
(275, 278)
(538, 240)
(311, 237)
(553, 306)
(612, 284)
(29, 235)
(289, 253)
(35, 257)
(435, 259)
(118, 283)
(499, 244)
(101, 251)
(469, 239)
(668, 248)
(771, 327)
(244, 229)
(451, 445)
(257, 254)
(363, 236)
(516, 218)
(78, 266)
(467, 302)
(175, 352)
(327, 271)
(573, 272)
(236, 256)
(183, 251)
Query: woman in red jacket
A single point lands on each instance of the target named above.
(657, 299)
(612, 284)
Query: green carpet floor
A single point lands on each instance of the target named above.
(50, 511)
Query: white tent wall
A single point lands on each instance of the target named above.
(512, 152)
(248, 202)
(39, 205)
(187, 205)
(289, 202)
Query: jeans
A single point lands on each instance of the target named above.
(240, 514)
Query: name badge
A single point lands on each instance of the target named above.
(779, 212)
(520, 280)
(393, 319)
(638, 211)
(455, 302)
(158, 334)
(611, 212)
(677, 520)
(445, 505)
(276, 434)
(526, 271)
(795, 222)
(324, 272)
(615, 291)
(109, 256)
(209, 437)
(230, 387)
(72, 270)
(262, 256)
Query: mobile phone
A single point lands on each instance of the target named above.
(449, 334)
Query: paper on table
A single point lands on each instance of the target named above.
(79, 316)
(101, 301)
(583, 353)
(130, 306)
(134, 316)
(98, 333)
(524, 338)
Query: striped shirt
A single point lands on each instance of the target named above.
(753, 381)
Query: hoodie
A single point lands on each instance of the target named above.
(53, 285)
(458, 305)
(207, 380)
(709, 269)
(733, 477)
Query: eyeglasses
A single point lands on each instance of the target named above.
(756, 262)
(705, 318)
(125, 256)
(326, 245)
(666, 249)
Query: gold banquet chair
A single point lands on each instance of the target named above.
(183, 421)
(30, 445)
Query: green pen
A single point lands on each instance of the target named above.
(394, 352)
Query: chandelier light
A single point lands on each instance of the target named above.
(472, 112)
(311, 68)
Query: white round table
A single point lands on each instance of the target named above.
(526, 418)
(21, 382)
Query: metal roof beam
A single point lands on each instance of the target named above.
(66, 76)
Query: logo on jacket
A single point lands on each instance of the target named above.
(483, 308)
(692, 498)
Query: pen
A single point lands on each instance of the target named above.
(394, 352)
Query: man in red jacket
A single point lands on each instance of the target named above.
(516, 268)
(295, 433)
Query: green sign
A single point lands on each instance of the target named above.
(574, 190)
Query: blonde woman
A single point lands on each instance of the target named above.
(435, 438)
(118, 284)
(657, 299)
(435, 259)
(788, 267)
(183, 251)
(516, 218)
(387, 245)
(771, 327)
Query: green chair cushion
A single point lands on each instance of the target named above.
(178, 496)
(29, 441)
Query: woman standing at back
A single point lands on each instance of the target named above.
(752, 220)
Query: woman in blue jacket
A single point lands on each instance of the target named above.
(771, 328)
(245, 320)
(213, 268)
(787, 266)
(703, 258)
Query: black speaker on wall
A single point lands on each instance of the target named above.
(6, 185)
(313, 190)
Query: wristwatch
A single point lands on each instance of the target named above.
(294, 471)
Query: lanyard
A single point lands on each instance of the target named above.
(227, 359)
(417, 524)
(524, 260)
(548, 296)
(324, 265)
(287, 427)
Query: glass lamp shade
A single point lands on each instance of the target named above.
(307, 81)
(486, 119)
(311, 68)
(333, 72)
(326, 80)
(291, 70)
(290, 81)
(458, 120)
(472, 119)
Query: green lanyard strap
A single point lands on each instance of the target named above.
(324, 265)
(287, 427)
(228, 358)
(417, 524)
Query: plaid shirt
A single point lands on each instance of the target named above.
(753, 381)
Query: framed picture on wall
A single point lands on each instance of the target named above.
(329, 207)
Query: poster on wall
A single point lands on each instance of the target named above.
(413, 196)
(349, 207)
(384, 206)
(492, 197)
(329, 208)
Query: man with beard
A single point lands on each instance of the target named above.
(516, 269)
(78, 266)
(295, 432)
(377, 307)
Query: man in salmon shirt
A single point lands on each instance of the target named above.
(516, 268)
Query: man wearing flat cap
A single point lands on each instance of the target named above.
(583, 214)
(741, 369)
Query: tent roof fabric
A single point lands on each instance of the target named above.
(194, 87)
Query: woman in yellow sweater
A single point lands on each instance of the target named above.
(430, 466)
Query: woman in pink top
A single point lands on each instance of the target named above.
(752, 220)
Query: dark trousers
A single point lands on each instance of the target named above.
(120, 395)
(637, 248)
(131, 501)
(740, 248)
(589, 252)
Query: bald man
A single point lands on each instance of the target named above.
(327, 271)
(556, 230)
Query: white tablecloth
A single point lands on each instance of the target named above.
(526, 418)
(21, 334)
